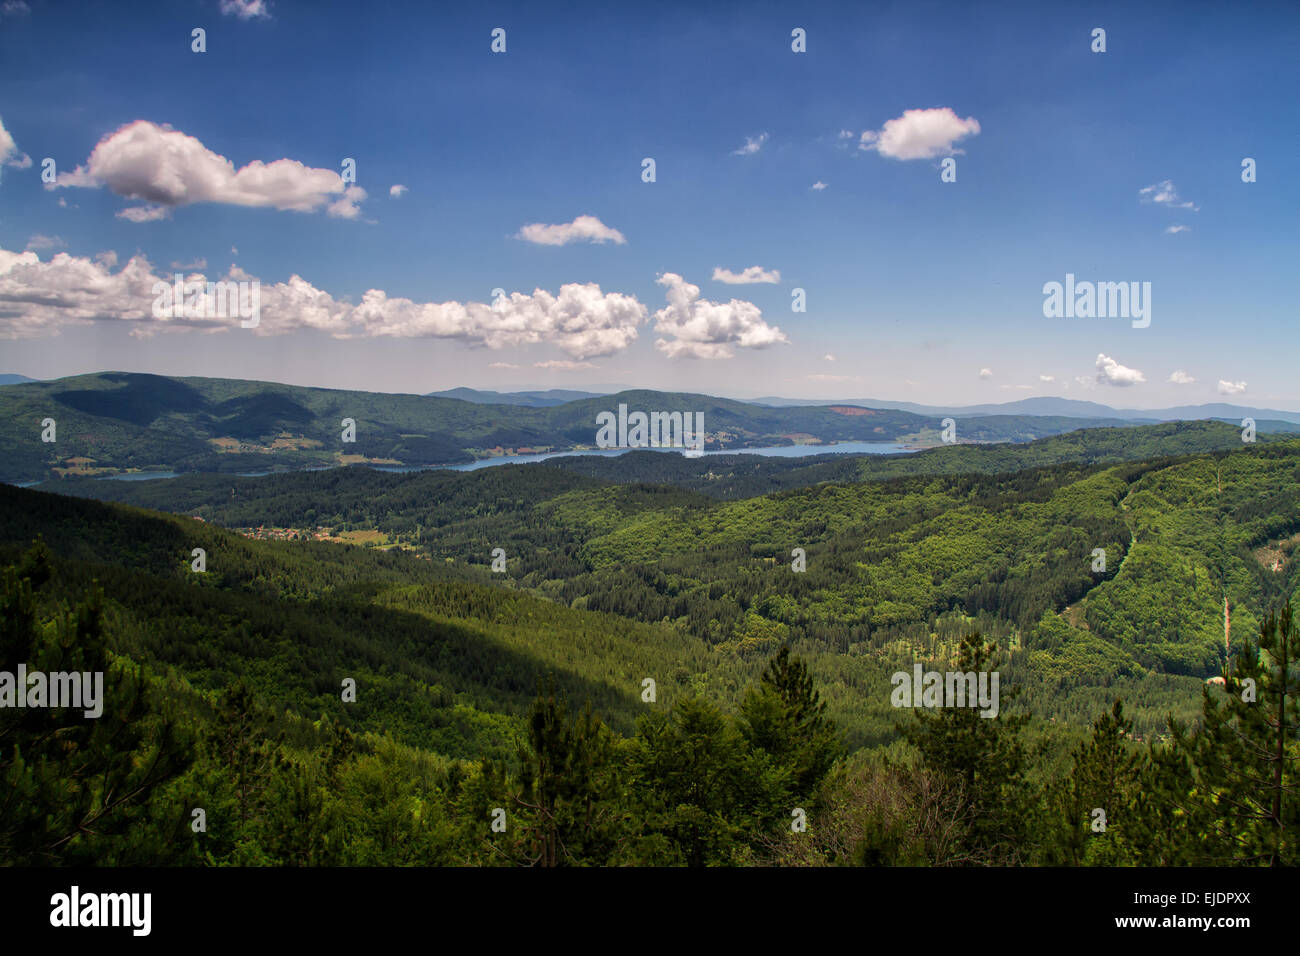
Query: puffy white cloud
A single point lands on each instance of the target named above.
(245, 9)
(40, 298)
(1176, 229)
(345, 207)
(920, 134)
(397, 190)
(1231, 388)
(582, 229)
(1179, 377)
(748, 276)
(752, 145)
(1047, 378)
(167, 168)
(10, 154)
(581, 321)
(1110, 372)
(709, 330)
(819, 185)
(1164, 193)
(828, 357)
(986, 373)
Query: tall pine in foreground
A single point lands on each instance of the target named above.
(1239, 771)
(983, 761)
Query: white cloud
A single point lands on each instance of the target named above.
(920, 134)
(1164, 193)
(397, 190)
(986, 373)
(749, 276)
(45, 242)
(244, 9)
(144, 213)
(1231, 388)
(562, 364)
(15, 8)
(10, 154)
(40, 298)
(1176, 229)
(1110, 372)
(502, 365)
(346, 206)
(846, 134)
(752, 145)
(819, 185)
(709, 330)
(1047, 378)
(829, 357)
(582, 229)
(163, 166)
(1179, 377)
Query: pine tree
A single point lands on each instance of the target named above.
(1240, 801)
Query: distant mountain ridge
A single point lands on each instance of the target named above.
(112, 422)
(1069, 407)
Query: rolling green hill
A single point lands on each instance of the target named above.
(111, 422)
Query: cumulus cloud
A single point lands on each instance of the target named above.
(40, 298)
(1231, 388)
(747, 277)
(828, 357)
(1176, 229)
(819, 185)
(1165, 193)
(920, 134)
(708, 330)
(397, 190)
(10, 154)
(1110, 372)
(167, 168)
(582, 229)
(245, 9)
(752, 145)
(986, 373)
(1179, 377)
(1047, 378)
(347, 206)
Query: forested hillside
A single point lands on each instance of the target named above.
(111, 422)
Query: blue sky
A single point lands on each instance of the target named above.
(916, 289)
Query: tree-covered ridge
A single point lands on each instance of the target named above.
(109, 422)
(181, 774)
